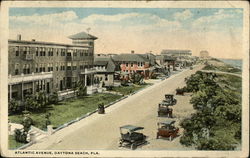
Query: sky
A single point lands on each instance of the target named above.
(120, 30)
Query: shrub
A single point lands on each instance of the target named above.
(14, 106)
(53, 98)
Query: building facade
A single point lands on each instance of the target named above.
(45, 66)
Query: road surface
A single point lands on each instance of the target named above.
(102, 131)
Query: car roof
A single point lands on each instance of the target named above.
(131, 127)
(168, 122)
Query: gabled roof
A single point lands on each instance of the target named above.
(82, 35)
(107, 62)
(130, 57)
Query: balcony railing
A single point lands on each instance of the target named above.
(29, 56)
(29, 77)
(89, 71)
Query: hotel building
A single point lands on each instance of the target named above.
(50, 67)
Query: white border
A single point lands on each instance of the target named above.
(124, 4)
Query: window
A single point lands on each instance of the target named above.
(36, 51)
(17, 51)
(75, 53)
(126, 64)
(131, 64)
(16, 69)
(106, 77)
(25, 50)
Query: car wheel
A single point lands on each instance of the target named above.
(170, 138)
(133, 146)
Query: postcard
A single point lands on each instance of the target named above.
(124, 79)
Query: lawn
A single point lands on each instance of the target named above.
(13, 144)
(125, 90)
(67, 110)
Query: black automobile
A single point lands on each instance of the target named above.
(130, 137)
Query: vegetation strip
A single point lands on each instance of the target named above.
(216, 125)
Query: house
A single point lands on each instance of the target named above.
(50, 67)
(106, 71)
(133, 63)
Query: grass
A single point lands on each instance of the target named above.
(67, 110)
(225, 68)
(128, 89)
(13, 144)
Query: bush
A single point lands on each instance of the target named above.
(53, 98)
(14, 106)
(20, 136)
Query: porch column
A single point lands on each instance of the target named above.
(22, 90)
(10, 91)
(85, 82)
(33, 87)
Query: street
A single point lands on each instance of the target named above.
(102, 131)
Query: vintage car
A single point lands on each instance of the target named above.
(169, 99)
(101, 109)
(180, 91)
(131, 138)
(165, 110)
(167, 129)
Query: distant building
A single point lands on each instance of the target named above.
(176, 53)
(204, 54)
(45, 66)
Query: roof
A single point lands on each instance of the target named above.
(46, 43)
(168, 122)
(107, 62)
(82, 35)
(174, 51)
(130, 57)
(132, 128)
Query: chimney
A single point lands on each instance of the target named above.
(19, 37)
(132, 52)
(33, 40)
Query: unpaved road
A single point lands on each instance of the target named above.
(102, 131)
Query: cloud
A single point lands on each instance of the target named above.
(45, 19)
(212, 20)
(186, 14)
(130, 20)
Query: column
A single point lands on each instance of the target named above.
(85, 79)
(10, 91)
(22, 90)
(33, 87)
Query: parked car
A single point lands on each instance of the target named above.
(169, 99)
(131, 138)
(165, 110)
(167, 129)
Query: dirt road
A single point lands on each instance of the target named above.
(102, 131)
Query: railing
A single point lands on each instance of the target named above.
(29, 57)
(69, 58)
(29, 77)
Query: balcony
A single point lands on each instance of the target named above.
(29, 57)
(29, 77)
(69, 58)
(89, 71)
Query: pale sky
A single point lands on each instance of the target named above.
(120, 30)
